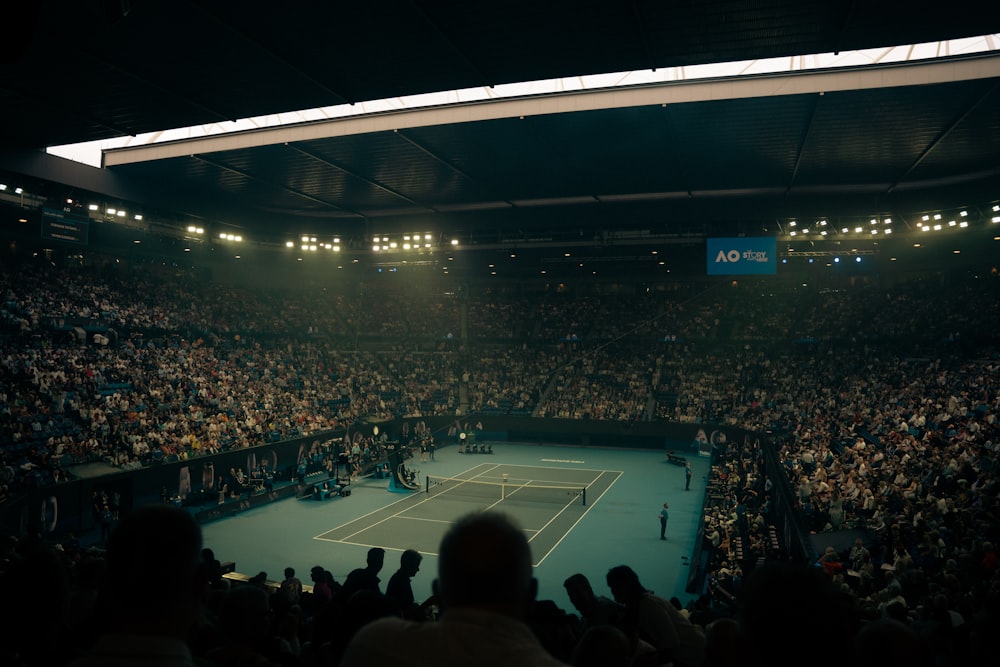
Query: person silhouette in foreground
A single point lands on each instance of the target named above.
(659, 623)
(787, 614)
(400, 590)
(485, 587)
(151, 626)
(365, 578)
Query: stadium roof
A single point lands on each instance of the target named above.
(711, 156)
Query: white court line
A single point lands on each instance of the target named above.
(393, 516)
(549, 522)
(570, 530)
(420, 518)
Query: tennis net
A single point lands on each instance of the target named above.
(482, 490)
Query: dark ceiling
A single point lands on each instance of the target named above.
(83, 70)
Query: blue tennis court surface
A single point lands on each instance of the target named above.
(548, 502)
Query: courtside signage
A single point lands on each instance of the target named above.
(742, 256)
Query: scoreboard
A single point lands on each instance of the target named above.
(65, 226)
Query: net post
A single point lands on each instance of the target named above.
(427, 483)
(583, 496)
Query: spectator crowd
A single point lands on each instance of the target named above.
(879, 402)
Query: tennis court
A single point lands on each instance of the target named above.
(547, 502)
(618, 524)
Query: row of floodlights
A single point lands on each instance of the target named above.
(824, 228)
(4, 187)
(930, 222)
(310, 244)
(110, 211)
(379, 243)
(934, 222)
(409, 242)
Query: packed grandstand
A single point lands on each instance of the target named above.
(878, 397)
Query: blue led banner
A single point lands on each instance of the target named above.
(742, 256)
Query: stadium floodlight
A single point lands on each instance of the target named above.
(3, 187)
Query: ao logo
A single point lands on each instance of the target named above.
(731, 256)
